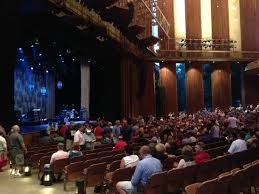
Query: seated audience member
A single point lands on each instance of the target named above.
(131, 159)
(187, 159)
(60, 154)
(239, 144)
(120, 144)
(160, 153)
(89, 139)
(214, 132)
(145, 168)
(75, 152)
(201, 156)
(171, 146)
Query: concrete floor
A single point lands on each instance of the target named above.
(31, 185)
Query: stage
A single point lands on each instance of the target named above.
(35, 128)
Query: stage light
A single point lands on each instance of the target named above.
(39, 64)
(47, 71)
(32, 68)
(40, 54)
(60, 55)
(32, 46)
(20, 49)
(43, 90)
(73, 59)
(62, 61)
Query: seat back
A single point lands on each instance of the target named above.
(115, 165)
(223, 183)
(192, 189)
(207, 187)
(122, 174)
(35, 159)
(104, 154)
(59, 165)
(95, 174)
(107, 159)
(43, 160)
(174, 180)
(118, 156)
(156, 184)
(88, 163)
(77, 159)
(90, 156)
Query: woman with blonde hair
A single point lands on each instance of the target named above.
(187, 159)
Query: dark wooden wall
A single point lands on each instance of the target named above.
(169, 84)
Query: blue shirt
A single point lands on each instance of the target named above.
(145, 168)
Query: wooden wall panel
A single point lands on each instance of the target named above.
(251, 89)
(221, 86)
(249, 15)
(194, 88)
(219, 13)
(193, 18)
(168, 81)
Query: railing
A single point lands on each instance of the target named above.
(201, 55)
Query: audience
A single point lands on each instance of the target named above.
(17, 149)
(3, 151)
(187, 160)
(89, 138)
(75, 152)
(120, 145)
(239, 144)
(60, 154)
(79, 137)
(131, 159)
(200, 155)
(145, 168)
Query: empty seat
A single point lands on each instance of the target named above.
(94, 174)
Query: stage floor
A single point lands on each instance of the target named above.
(40, 127)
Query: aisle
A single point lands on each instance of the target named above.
(31, 185)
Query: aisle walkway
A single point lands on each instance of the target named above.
(31, 185)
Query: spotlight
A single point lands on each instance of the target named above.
(40, 54)
(39, 64)
(62, 61)
(32, 68)
(32, 46)
(47, 71)
(20, 49)
(73, 59)
(60, 55)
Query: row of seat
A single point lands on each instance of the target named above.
(176, 180)
(231, 182)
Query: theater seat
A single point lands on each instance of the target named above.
(156, 184)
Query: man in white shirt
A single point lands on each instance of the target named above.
(238, 145)
(79, 137)
(60, 154)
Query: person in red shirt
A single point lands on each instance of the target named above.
(120, 144)
(98, 132)
(201, 156)
(63, 129)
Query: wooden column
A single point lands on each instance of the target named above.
(194, 88)
(221, 86)
(169, 84)
(148, 99)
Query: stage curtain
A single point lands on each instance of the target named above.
(85, 85)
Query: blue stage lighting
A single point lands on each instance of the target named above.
(59, 84)
(31, 68)
(43, 90)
